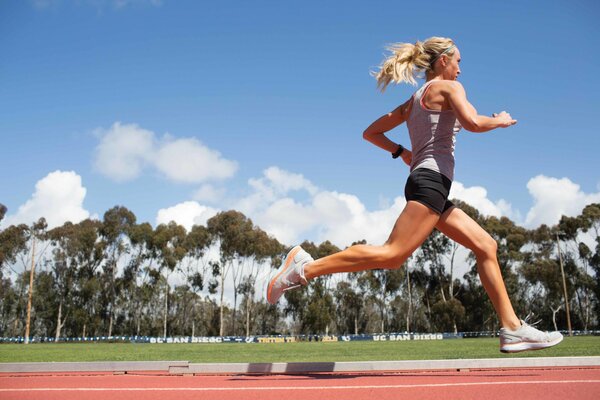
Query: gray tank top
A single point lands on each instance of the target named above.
(432, 136)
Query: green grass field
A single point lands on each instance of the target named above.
(286, 352)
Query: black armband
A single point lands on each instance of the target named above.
(398, 152)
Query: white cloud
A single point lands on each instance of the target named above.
(555, 197)
(346, 219)
(477, 196)
(284, 182)
(291, 208)
(276, 213)
(208, 193)
(126, 149)
(315, 214)
(287, 219)
(123, 151)
(186, 214)
(58, 197)
(272, 186)
(342, 218)
(189, 161)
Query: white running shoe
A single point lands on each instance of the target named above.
(527, 338)
(290, 275)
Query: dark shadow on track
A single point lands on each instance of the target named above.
(350, 375)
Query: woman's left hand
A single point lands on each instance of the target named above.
(406, 156)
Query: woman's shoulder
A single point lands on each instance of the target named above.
(448, 87)
(448, 84)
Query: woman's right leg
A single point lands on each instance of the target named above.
(514, 336)
(461, 228)
(412, 227)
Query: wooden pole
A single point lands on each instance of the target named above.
(564, 281)
(27, 325)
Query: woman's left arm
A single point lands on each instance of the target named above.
(375, 133)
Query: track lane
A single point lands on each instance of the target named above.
(550, 384)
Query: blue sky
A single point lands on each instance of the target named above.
(277, 94)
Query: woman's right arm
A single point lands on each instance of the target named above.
(375, 133)
(467, 114)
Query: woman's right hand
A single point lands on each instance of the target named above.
(504, 119)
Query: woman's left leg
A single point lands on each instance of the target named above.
(461, 228)
(411, 229)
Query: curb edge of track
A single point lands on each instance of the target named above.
(187, 368)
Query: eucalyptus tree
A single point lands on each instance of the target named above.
(353, 306)
(3, 210)
(13, 242)
(269, 319)
(64, 270)
(445, 311)
(569, 235)
(77, 253)
(231, 231)
(169, 246)
(88, 256)
(316, 308)
(430, 257)
(44, 303)
(541, 274)
(349, 306)
(294, 308)
(181, 306)
(8, 303)
(591, 220)
(29, 258)
(591, 226)
(380, 285)
(320, 309)
(116, 224)
(198, 242)
(137, 280)
(261, 249)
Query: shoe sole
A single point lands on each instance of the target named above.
(525, 346)
(283, 268)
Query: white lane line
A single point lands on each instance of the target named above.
(262, 388)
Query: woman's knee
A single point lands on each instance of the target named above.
(392, 258)
(486, 246)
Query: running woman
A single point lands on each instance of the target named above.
(434, 114)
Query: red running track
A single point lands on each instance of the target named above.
(547, 384)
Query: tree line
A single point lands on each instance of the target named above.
(116, 276)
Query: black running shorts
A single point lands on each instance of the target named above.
(429, 188)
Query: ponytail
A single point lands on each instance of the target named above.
(408, 60)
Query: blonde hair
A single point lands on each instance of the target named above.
(408, 60)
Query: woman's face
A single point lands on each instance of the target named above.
(451, 68)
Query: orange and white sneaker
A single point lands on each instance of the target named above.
(527, 338)
(290, 275)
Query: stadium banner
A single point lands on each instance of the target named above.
(385, 337)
